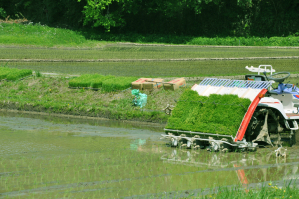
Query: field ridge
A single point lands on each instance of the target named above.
(142, 60)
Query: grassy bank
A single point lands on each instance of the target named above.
(40, 35)
(52, 95)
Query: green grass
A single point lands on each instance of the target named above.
(217, 114)
(53, 95)
(160, 68)
(13, 74)
(121, 51)
(40, 35)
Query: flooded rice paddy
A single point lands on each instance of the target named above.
(51, 157)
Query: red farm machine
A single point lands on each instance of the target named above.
(271, 119)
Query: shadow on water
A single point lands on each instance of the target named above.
(51, 157)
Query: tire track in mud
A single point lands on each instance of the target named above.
(46, 189)
(144, 60)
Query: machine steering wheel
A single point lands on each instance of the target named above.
(279, 79)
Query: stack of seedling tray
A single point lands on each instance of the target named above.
(12, 74)
(216, 114)
(106, 83)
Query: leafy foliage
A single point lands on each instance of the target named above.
(175, 17)
(218, 114)
(2, 13)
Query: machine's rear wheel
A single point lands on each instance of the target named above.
(263, 124)
(267, 127)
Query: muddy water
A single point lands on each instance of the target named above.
(47, 157)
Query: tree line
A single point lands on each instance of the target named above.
(176, 17)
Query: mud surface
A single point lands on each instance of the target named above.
(50, 157)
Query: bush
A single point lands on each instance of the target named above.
(118, 83)
(218, 114)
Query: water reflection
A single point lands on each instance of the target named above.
(256, 167)
(71, 120)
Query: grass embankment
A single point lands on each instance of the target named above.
(217, 114)
(52, 95)
(40, 35)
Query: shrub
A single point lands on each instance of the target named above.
(118, 83)
(218, 114)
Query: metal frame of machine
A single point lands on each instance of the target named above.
(274, 111)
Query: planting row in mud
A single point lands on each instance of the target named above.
(107, 83)
(13, 74)
(144, 52)
(160, 68)
(217, 114)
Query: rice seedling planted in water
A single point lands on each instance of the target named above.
(160, 68)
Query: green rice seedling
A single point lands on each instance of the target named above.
(119, 83)
(18, 74)
(160, 68)
(97, 82)
(13, 73)
(144, 52)
(218, 114)
(84, 80)
(4, 72)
